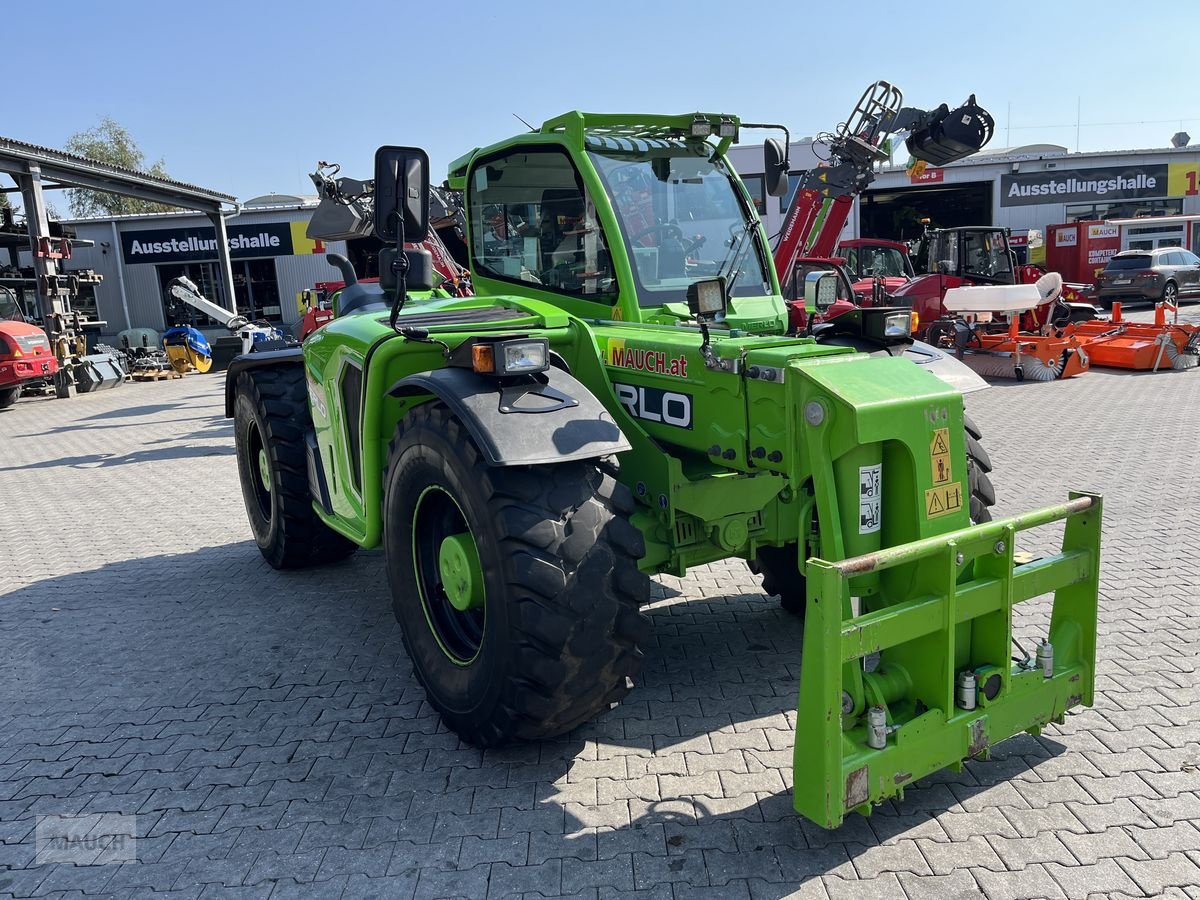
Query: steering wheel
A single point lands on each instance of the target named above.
(666, 229)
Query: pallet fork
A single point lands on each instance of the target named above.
(944, 689)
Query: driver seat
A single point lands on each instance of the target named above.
(562, 210)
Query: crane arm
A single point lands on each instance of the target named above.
(822, 201)
(185, 291)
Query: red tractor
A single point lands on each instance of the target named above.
(872, 259)
(25, 351)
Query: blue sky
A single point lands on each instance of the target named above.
(245, 97)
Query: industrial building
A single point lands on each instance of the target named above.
(271, 258)
(1029, 187)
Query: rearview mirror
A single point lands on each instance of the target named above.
(820, 290)
(401, 194)
(419, 275)
(775, 167)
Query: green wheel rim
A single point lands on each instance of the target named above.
(449, 575)
(461, 571)
(264, 468)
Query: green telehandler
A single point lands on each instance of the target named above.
(621, 399)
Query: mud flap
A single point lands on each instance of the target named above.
(945, 688)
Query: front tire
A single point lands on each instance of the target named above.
(780, 568)
(271, 416)
(516, 588)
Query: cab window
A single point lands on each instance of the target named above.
(533, 221)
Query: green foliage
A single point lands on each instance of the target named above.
(110, 142)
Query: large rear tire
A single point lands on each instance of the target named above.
(8, 396)
(271, 416)
(516, 588)
(779, 566)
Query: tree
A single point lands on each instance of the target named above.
(110, 142)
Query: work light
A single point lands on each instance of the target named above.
(727, 128)
(701, 127)
(522, 357)
(706, 298)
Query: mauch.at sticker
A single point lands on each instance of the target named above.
(656, 362)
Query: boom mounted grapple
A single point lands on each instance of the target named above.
(620, 399)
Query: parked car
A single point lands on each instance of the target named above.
(1166, 273)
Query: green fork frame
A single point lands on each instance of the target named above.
(960, 589)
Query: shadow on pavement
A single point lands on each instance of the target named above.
(248, 715)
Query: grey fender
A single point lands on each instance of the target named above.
(945, 366)
(547, 418)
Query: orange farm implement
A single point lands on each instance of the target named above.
(1121, 344)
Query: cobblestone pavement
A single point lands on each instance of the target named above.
(265, 731)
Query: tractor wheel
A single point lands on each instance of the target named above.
(270, 418)
(778, 565)
(782, 577)
(8, 396)
(516, 589)
(979, 467)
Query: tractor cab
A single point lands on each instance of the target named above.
(612, 217)
(977, 255)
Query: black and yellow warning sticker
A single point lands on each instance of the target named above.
(939, 457)
(943, 500)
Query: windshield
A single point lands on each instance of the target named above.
(877, 262)
(8, 306)
(681, 217)
(978, 254)
(1128, 262)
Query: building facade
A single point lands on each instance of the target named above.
(138, 256)
(1031, 187)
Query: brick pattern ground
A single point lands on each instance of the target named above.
(267, 732)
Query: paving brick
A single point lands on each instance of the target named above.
(958, 885)
(1032, 881)
(885, 887)
(505, 880)
(973, 852)
(1104, 877)
(1153, 876)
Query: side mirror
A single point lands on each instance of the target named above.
(820, 290)
(775, 167)
(420, 269)
(401, 194)
(706, 299)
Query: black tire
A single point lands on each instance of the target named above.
(779, 566)
(271, 417)
(9, 395)
(1170, 293)
(554, 636)
(782, 578)
(979, 468)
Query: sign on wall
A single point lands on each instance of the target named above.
(1083, 185)
(199, 243)
(929, 176)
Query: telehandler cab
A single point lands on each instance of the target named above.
(621, 399)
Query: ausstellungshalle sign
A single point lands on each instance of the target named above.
(1083, 185)
(166, 245)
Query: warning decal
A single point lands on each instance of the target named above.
(939, 457)
(940, 501)
(870, 498)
